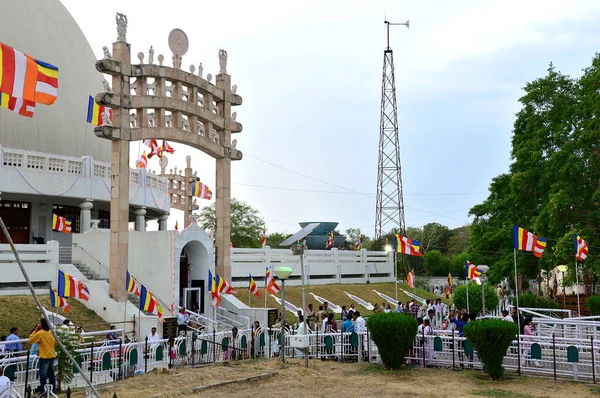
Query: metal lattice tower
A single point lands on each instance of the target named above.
(389, 212)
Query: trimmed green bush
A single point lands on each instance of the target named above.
(460, 297)
(532, 301)
(491, 338)
(593, 303)
(393, 334)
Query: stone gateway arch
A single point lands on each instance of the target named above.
(152, 101)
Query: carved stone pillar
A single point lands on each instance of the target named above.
(86, 215)
(223, 182)
(140, 219)
(162, 221)
(119, 193)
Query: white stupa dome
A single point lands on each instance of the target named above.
(45, 30)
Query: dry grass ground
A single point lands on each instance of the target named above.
(335, 294)
(22, 312)
(327, 379)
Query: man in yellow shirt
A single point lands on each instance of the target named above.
(47, 354)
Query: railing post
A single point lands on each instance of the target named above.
(120, 374)
(91, 361)
(423, 345)
(554, 354)
(214, 345)
(146, 355)
(368, 348)
(519, 352)
(453, 351)
(317, 343)
(27, 371)
(341, 345)
(593, 362)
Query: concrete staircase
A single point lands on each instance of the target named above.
(88, 272)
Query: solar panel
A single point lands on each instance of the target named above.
(300, 234)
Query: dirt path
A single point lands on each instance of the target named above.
(327, 379)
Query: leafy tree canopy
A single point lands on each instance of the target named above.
(553, 184)
(246, 224)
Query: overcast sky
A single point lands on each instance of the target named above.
(310, 76)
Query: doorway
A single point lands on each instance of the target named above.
(193, 297)
(17, 217)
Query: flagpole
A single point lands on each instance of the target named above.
(577, 287)
(517, 292)
(249, 281)
(467, 288)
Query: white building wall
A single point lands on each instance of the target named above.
(150, 258)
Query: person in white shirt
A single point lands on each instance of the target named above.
(360, 326)
(302, 329)
(4, 385)
(506, 316)
(153, 337)
(428, 333)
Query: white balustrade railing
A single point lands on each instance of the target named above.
(84, 166)
(321, 266)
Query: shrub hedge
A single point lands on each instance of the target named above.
(491, 338)
(593, 303)
(533, 301)
(393, 334)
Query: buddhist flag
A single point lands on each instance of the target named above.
(270, 285)
(330, 240)
(525, 240)
(22, 76)
(57, 301)
(410, 279)
(130, 285)
(581, 248)
(408, 246)
(449, 284)
(223, 286)
(17, 105)
(201, 190)
(149, 304)
(471, 271)
(95, 112)
(215, 296)
(71, 287)
(359, 242)
(61, 224)
(167, 148)
(143, 162)
(253, 287)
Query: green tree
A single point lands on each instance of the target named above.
(459, 240)
(475, 304)
(64, 367)
(274, 239)
(352, 237)
(553, 184)
(433, 236)
(459, 263)
(436, 264)
(246, 224)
